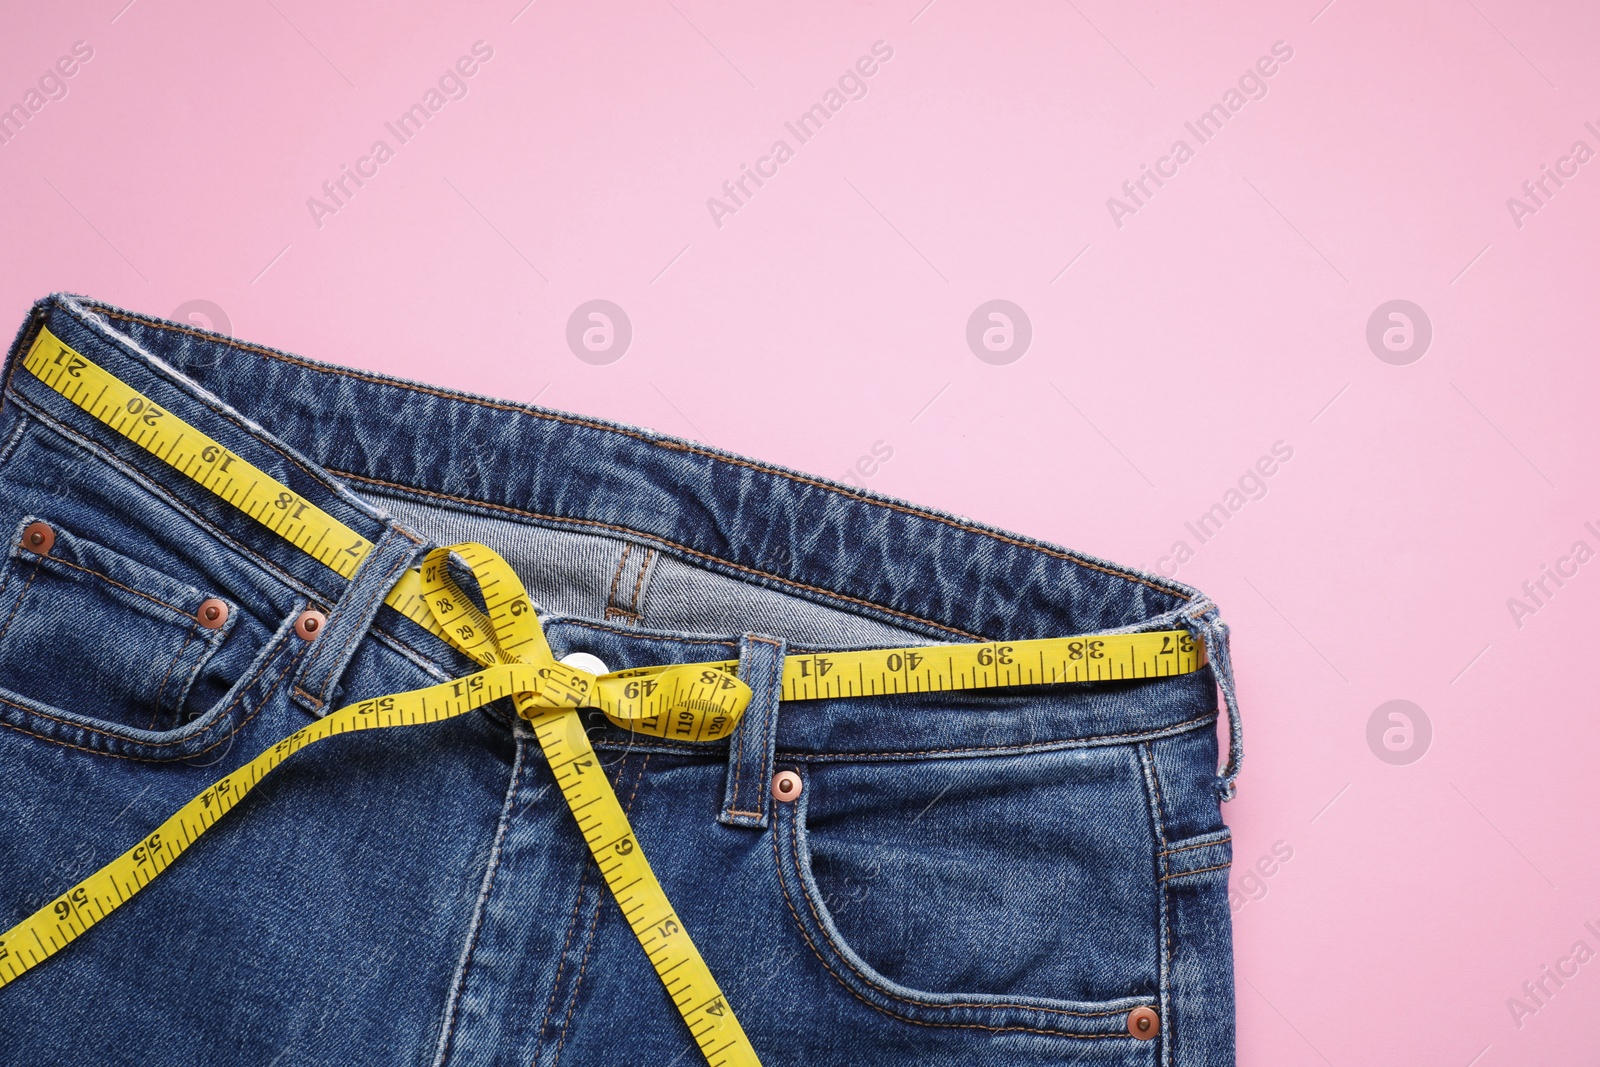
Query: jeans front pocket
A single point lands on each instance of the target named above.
(100, 636)
(998, 894)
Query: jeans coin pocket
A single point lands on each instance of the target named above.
(101, 637)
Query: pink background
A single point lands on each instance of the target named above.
(827, 315)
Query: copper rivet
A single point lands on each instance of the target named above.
(310, 623)
(786, 785)
(39, 537)
(213, 613)
(1144, 1023)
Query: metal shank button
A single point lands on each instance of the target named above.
(1144, 1023)
(213, 613)
(39, 537)
(309, 623)
(786, 785)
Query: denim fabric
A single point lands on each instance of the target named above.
(966, 878)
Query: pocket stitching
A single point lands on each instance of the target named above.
(184, 687)
(879, 988)
(107, 579)
(20, 598)
(879, 1007)
(243, 690)
(210, 642)
(794, 842)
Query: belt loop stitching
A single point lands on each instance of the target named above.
(354, 612)
(638, 584)
(616, 579)
(752, 750)
(1206, 622)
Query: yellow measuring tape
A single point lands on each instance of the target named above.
(695, 702)
(634, 698)
(518, 663)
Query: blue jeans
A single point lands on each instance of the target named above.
(1001, 877)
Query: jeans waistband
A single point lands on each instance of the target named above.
(328, 431)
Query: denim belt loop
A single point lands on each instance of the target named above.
(1207, 625)
(315, 684)
(752, 750)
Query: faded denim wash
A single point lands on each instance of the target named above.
(992, 878)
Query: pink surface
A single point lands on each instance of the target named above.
(1176, 340)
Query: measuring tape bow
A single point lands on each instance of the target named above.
(690, 702)
(507, 641)
(510, 634)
